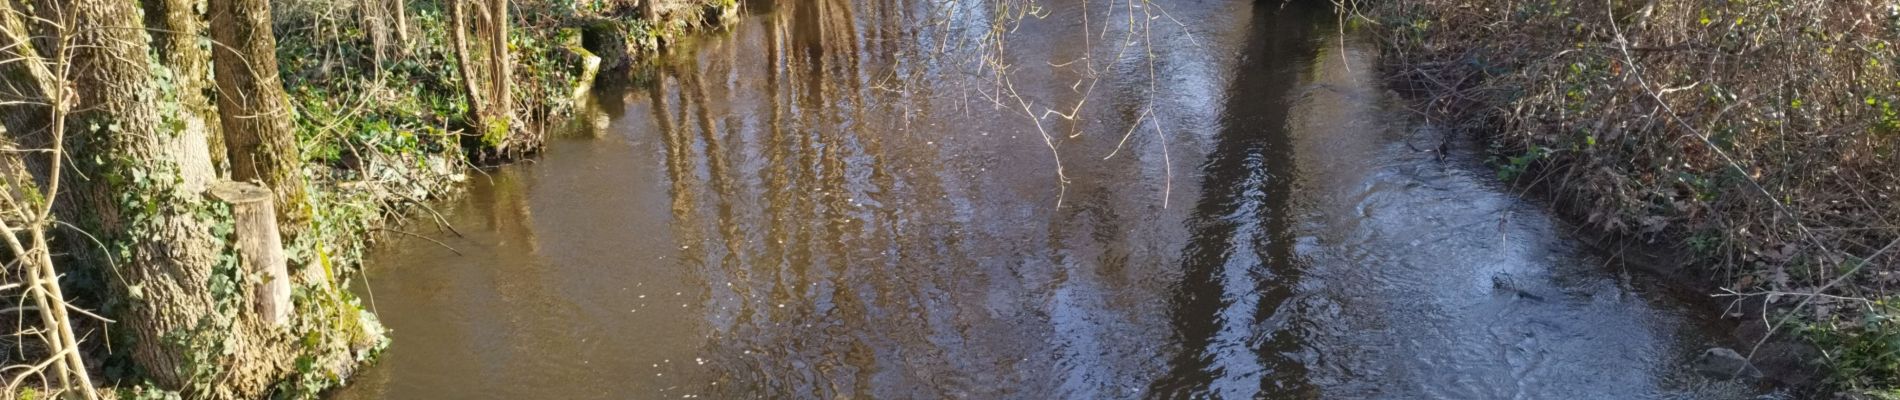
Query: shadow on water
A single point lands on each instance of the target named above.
(1238, 269)
(839, 199)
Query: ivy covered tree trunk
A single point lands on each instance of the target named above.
(259, 137)
(179, 296)
(177, 28)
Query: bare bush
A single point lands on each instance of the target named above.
(1760, 136)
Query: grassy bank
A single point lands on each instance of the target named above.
(1758, 136)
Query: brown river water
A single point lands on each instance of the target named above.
(836, 199)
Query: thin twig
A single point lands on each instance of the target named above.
(437, 242)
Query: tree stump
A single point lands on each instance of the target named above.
(260, 247)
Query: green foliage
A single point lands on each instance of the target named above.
(171, 113)
(1705, 242)
(205, 342)
(1887, 120)
(327, 318)
(1864, 349)
(145, 391)
(1514, 167)
(642, 34)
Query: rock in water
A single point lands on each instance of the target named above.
(1508, 284)
(1724, 363)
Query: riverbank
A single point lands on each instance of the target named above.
(387, 129)
(1757, 139)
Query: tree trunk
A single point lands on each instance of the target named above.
(466, 60)
(650, 11)
(375, 20)
(498, 58)
(42, 18)
(402, 24)
(24, 105)
(36, 111)
(487, 73)
(260, 248)
(176, 26)
(22, 199)
(162, 254)
(24, 65)
(259, 136)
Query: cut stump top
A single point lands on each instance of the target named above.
(240, 192)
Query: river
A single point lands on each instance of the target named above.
(1176, 199)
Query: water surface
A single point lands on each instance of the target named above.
(843, 199)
